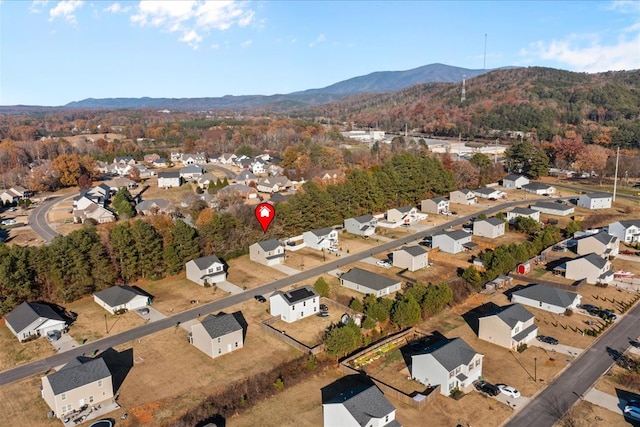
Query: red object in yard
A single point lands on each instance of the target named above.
(524, 268)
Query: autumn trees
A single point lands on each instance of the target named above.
(70, 167)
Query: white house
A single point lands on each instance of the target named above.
(367, 282)
(364, 225)
(32, 319)
(627, 231)
(462, 197)
(591, 267)
(539, 188)
(546, 298)
(489, 193)
(273, 184)
(524, 212)
(324, 238)
(121, 298)
(602, 244)
(218, 335)
(246, 178)
(294, 305)
(268, 252)
(553, 208)
(451, 364)
(169, 179)
(411, 257)
(190, 172)
(452, 242)
(508, 326)
(363, 405)
(491, 227)
(437, 205)
(595, 201)
(514, 181)
(206, 270)
(402, 215)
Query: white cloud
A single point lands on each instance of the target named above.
(320, 39)
(117, 8)
(192, 18)
(37, 6)
(624, 6)
(215, 46)
(246, 43)
(66, 10)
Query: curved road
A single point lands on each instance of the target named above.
(227, 172)
(48, 363)
(38, 218)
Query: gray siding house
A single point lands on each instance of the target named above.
(364, 225)
(491, 227)
(411, 257)
(218, 335)
(452, 242)
(539, 188)
(525, 212)
(602, 244)
(33, 319)
(591, 267)
(169, 179)
(363, 405)
(514, 181)
(551, 208)
(627, 231)
(546, 298)
(121, 298)
(462, 197)
(508, 326)
(367, 282)
(437, 205)
(269, 252)
(206, 270)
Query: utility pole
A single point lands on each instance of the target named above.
(615, 179)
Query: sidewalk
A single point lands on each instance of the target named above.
(289, 271)
(605, 400)
(559, 348)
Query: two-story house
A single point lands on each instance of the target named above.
(324, 238)
(364, 225)
(402, 215)
(627, 231)
(514, 181)
(508, 326)
(437, 205)
(206, 270)
(591, 267)
(490, 227)
(602, 244)
(268, 252)
(595, 201)
(463, 197)
(452, 242)
(411, 257)
(169, 179)
(218, 335)
(524, 212)
(294, 305)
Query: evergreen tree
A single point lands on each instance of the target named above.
(149, 249)
(125, 252)
(122, 203)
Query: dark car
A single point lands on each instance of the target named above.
(487, 388)
(143, 311)
(324, 307)
(323, 314)
(547, 339)
(260, 298)
(607, 315)
(589, 308)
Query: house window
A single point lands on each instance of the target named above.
(517, 329)
(90, 399)
(218, 340)
(452, 386)
(219, 350)
(477, 363)
(451, 374)
(99, 383)
(63, 396)
(471, 366)
(458, 369)
(210, 270)
(218, 268)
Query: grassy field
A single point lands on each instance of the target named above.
(21, 405)
(310, 330)
(586, 414)
(306, 258)
(14, 353)
(244, 272)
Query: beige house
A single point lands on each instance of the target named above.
(508, 326)
(402, 215)
(602, 244)
(269, 252)
(84, 381)
(206, 270)
(218, 335)
(411, 257)
(591, 267)
(437, 205)
(491, 227)
(462, 197)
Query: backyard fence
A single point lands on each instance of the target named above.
(266, 325)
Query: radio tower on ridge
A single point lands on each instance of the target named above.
(463, 97)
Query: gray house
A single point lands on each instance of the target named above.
(402, 215)
(514, 181)
(218, 335)
(491, 227)
(489, 193)
(367, 282)
(591, 267)
(539, 188)
(508, 326)
(437, 205)
(602, 244)
(206, 270)
(121, 298)
(83, 381)
(363, 405)
(31, 319)
(268, 252)
(524, 212)
(324, 238)
(364, 225)
(169, 179)
(546, 298)
(551, 208)
(154, 207)
(627, 231)
(295, 304)
(463, 197)
(411, 257)
(452, 242)
(191, 172)
(449, 363)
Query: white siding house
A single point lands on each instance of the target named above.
(508, 326)
(452, 242)
(591, 267)
(546, 298)
(462, 197)
(514, 181)
(627, 231)
(121, 298)
(294, 305)
(364, 225)
(206, 270)
(595, 201)
(524, 212)
(491, 227)
(367, 282)
(411, 257)
(324, 238)
(362, 405)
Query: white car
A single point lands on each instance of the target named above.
(509, 391)
(383, 263)
(8, 222)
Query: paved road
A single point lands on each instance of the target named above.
(38, 220)
(553, 402)
(48, 363)
(227, 172)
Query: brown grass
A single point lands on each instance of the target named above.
(306, 258)
(174, 294)
(21, 405)
(310, 330)
(14, 353)
(586, 414)
(244, 272)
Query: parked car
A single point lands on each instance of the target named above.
(547, 339)
(260, 298)
(323, 314)
(559, 249)
(332, 249)
(508, 390)
(384, 263)
(143, 311)
(607, 314)
(632, 410)
(587, 307)
(324, 307)
(102, 423)
(467, 229)
(8, 222)
(54, 335)
(487, 388)
(627, 252)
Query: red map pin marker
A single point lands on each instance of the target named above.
(265, 213)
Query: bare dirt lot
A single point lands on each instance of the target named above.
(175, 294)
(306, 258)
(586, 414)
(310, 330)
(244, 272)
(21, 405)
(14, 353)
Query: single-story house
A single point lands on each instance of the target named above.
(367, 282)
(627, 231)
(411, 257)
(489, 193)
(514, 181)
(437, 205)
(324, 238)
(452, 242)
(154, 207)
(591, 267)
(602, 244)
(294, 305)
(402, 215)
(219, 334)
(524, 212)
(206, 270)
(83, 381)
(364, 225)
(121, 298)
(32, 319)
(595, 201)
(490, 227)
(546, 298)
(169, 179)
(462, 197)
(539, 188)
(95, 212)
(245, 191)
(508, 326)
(273, 184)
(194, 159)
(450, 364)
(268, 252)
(191, 172)
(553, 208)
(206, 179)
(362, 405)
(246, 178)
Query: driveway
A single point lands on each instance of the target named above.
(607, 401)
(515, 404)
(285, 269)
(229, 287)
(153, 315)
(558, 348)
(65, 343)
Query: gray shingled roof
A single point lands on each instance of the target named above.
(513, 177)
(561, 207)
(322, 232)
(465, 191)
(602, 237)
(630, 222)
(220, 325)
(440, 199)
(81, 371)
(486, 190)
(594, 259)
(169, 175)
(415, 250)
(364, 403)
(455, 235)
(362, 219)
(297, 295)
(27, 313)
(512, 314)
(206, 261)
(523, 211)
(404, 209)
(269, 245)
(536, 186)
(368, 279)
(598, 196)
(547, 294)
(452, 353)
(118, 295)
(493, 221)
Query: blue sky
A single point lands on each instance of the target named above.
(55, 52)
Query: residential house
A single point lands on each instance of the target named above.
(602, 244)
(258, 166)
(218, 335)
(402, 215)
(150, 158)
(14, 195)
(273, 184)
(32, 319)
(119, 182)
(591, 267)
(524, 212)
(94, 212)
(206, 270)
(274, 170)
(489, 193)
(294, 305)
(194, 159)
(160, 163)
(364, 225)
(367, 282)
(546, 298)
(452, 242)
(246, 178)
(143, 171)
(102, 192)
(268, 252)
(627, 231)
(169, 179)
(509, 326)
(595, 201)
(451, 364)
(463, 197)
(154, 207)
(411, 257)
(123, 297)
(514, 181)
(490, 227)
(191, 172)
(362, 405)
(324, 238)
(83, 381)
(553, 208)
(539, 188)
(206, 179)
(227, 159)
(279, 198)
(330, 176)
(437, 205)
(244, 191)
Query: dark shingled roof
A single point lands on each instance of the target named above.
(493, 221)
(368, 279)
(440, 199)
(536, 186)
(561, 207)
(206, 261)
(364, 218)
(322, 232)
(547, 294)
(364, 403)
(81, 371)
(598, 195)
(27, 313)
(594, 259)
(451, 353)
(455, 235)
(220, 325)
(628, 223)
(118, 295)
(297, 295)
(602, 237)
(513, 177)
(414, 250)
(486, 190)
(404, 209)
(169, 175)
(523, 211)
(512, 314)
(269, 245)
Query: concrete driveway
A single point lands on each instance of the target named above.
(606, 400)
(65, 343)
(559, 348)
(515, 404)
(229, 287)
(285, 269)
(153, 315)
